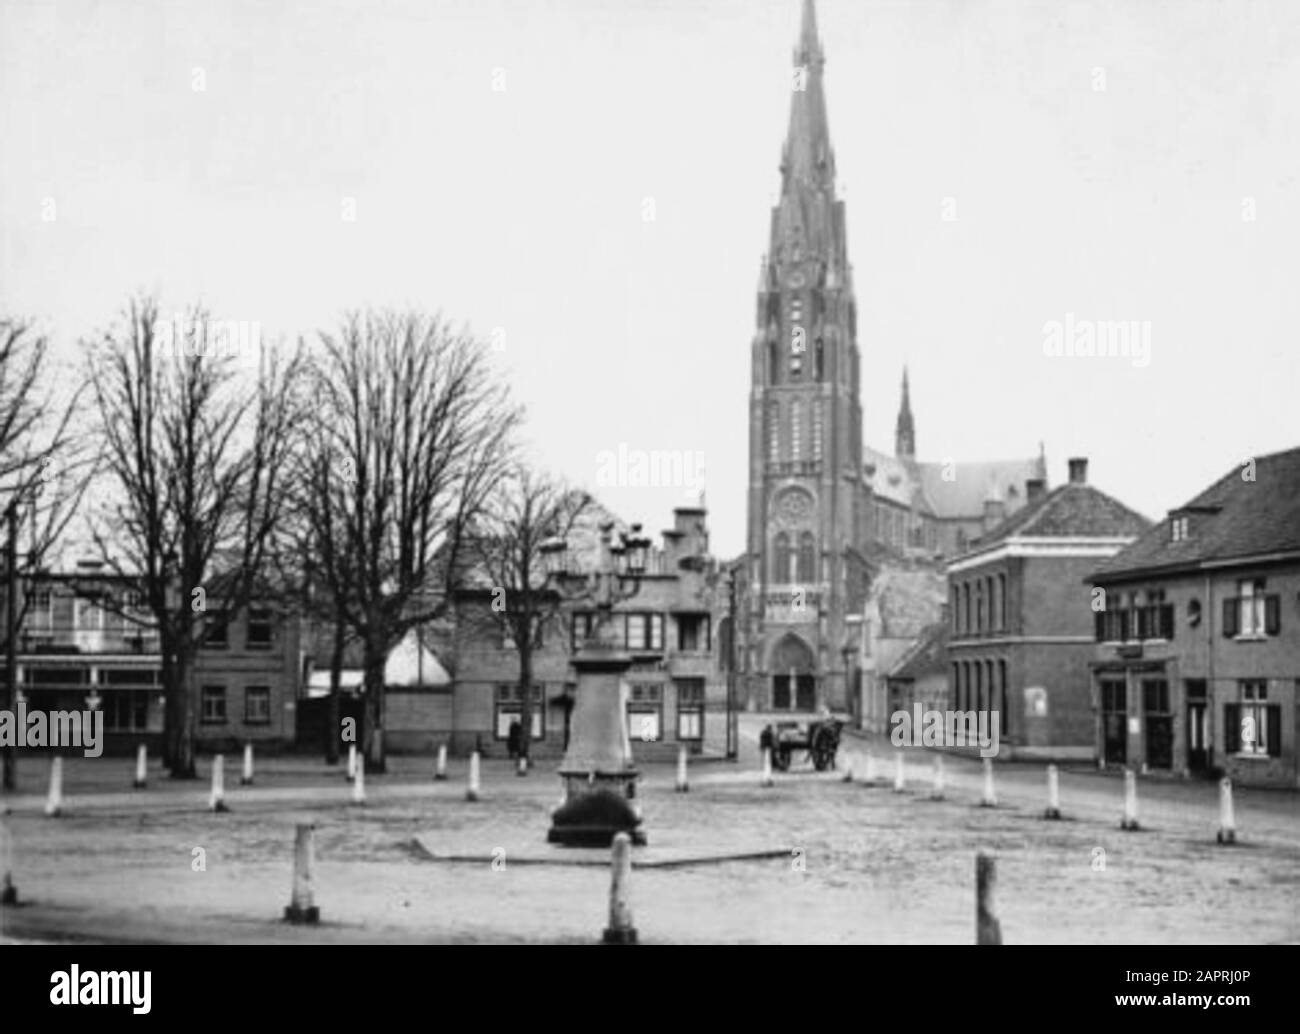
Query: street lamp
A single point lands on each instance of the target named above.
(598, 772)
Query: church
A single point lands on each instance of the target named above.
(834, 527)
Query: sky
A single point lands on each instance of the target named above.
(587, 185)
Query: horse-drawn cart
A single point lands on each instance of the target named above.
(821, 739)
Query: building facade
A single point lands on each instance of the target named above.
(1197, 658)
(1021, 637)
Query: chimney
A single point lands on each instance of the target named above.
(1034, 489)
(1079, 470)
(995, 511)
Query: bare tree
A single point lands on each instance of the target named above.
(527, 510)
(197, 459)
(43, 466)
(409, 435)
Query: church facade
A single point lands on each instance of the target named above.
(825, 518)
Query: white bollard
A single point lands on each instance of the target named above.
(141, 767)
(683, 786)
(352, 761)
(8, 893)
(1130, 820)
(900, 776)
(767, 767)
(620, 929)
(440, 769)
(936, 791)
(990, 798)
(521, 767)
(246, 778)
(54, 803)
(1227, 821)
(218, 800)
(868, 769)
(848, 768)
(359, 784)
(1053, 794)
(301, 907)
(471, 794)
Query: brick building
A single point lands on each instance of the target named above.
(677, 683)
(1197, 660)
(1021, 626)
(75, 653)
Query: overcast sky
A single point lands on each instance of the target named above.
(1110, 160)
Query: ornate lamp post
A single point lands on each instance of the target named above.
(598, 772)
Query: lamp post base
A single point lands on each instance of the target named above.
(597, 807)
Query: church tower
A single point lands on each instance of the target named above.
(905, 428)
(807, 502)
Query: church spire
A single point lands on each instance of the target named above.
(807, 159)
(905, 429)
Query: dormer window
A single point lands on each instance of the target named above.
(1178, 529)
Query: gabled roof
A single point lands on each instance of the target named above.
(961, 495)
(1233, 518)
(928, 656)
(1069, 511)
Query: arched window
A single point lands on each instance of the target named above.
(807, 558)
(773, 363)
(781, 559)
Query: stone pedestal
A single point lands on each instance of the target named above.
(598, 773)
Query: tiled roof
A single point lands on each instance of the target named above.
(961, 497)
(1230, 519)
(1069, 511)
(926, 657)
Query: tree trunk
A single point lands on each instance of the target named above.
(525, 700)
(178, 729)
(332, 727)
(374, 731)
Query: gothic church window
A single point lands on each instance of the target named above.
(807, 560)
(773, 363)
(773, 431)
(781, 557)
(796, 431)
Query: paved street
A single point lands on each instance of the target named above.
(865, 864)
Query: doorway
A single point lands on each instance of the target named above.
(794, 683)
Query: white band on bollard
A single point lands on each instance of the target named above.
(359, 783)
(440, 770)
(900, 775)
(472, 793)
(1227, 820)
(247, 777)
(1130, 820)
(1053, 794)
(54, 803)
(682, 785)
(218, 799)
(141, 767)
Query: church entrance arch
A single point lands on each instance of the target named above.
(794, 680)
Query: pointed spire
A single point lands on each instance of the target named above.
(905, 428)
(806, 157)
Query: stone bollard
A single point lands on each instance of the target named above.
(301, 908)
(471, 794)
(1130, 819)
(1227, 821)
(246, 777)
(848, 768)
(440, 769)
(683, 786)
(141, 767)
(936, 792)
(218, 800)
(1053, 794)
(54, 803)
(521, 766)
(620, 929)
(352, 761)
(8, 893)
(868, 769)
(766, 779)
(900, 775)
(359, 784)
(990, 798)
(987, 928)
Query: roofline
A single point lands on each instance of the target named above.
(1042, 546)
(1191, 566)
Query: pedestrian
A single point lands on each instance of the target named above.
(766, 739)
(514, 739)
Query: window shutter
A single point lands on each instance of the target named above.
(1231, 613)
(1231, 728)
(1272, 614)
(1099, 622)
(1274, 729)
